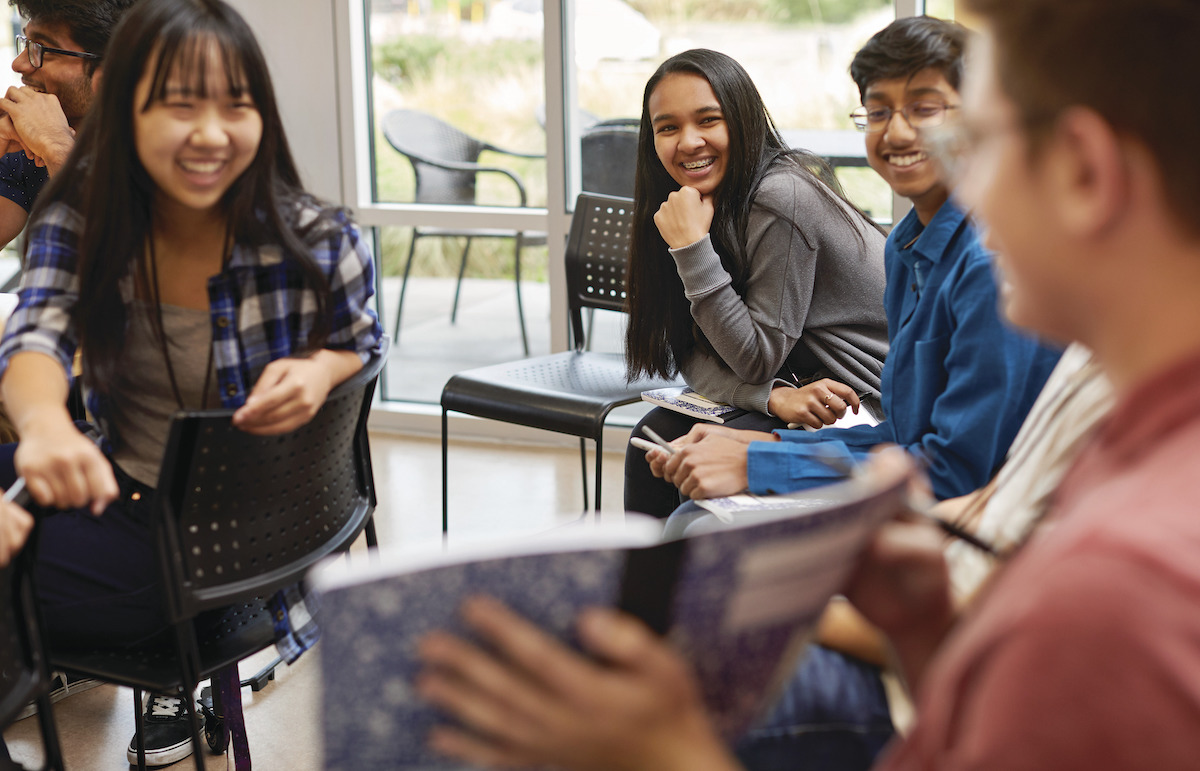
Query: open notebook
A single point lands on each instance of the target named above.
(738, 600)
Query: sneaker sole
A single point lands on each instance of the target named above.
(60, 693)
(164, 756)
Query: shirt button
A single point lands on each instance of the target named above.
(231, 390)
(222, 321)
(914, 286)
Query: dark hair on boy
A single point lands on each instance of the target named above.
(908, 46)
(90, 22)
(1120, 58)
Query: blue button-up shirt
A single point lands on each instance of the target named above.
(958, 380)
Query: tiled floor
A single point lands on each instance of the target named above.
(506, 489)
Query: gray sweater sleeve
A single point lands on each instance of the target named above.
(754, 336)
(713, 379)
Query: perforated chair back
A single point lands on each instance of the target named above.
(24, 673)
(245, 515)
(429, 143)
(571, 392)
(608, 161)
(597, 257)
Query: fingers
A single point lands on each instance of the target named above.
(658, 462)
(279, 402)
(684, 218)
(617, 637)
(513, 695)
(833, 398)
(454, 743)
(479, 689)
(525, 644)
(15, 524)
(102, 486)
(77, 476)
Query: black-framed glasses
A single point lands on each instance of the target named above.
(920, 114)
(36, 51)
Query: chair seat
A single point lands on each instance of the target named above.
(571, 393)
(528, 237)
(225, 639)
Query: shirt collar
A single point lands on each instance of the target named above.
(932, 241)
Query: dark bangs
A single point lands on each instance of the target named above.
(182, 63)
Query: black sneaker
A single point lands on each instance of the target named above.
(64, 685)
(168, 732)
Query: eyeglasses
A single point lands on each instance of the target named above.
(36, 51)
(922, 114)
(953, 145)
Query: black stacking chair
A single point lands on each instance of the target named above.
(24, 673)
(608, 160)
(242, 517)
(571, 392)
(445, 162)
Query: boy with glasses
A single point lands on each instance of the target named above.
(59, 57)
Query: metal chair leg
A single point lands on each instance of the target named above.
(139, 729)
(583, 468)
(189, 702)
(445, 484)
(599, 468)
(412, 251)
(462, 270)
(520, 308)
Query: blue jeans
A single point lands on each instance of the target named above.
(832, 716)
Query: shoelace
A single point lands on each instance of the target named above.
(164, 707)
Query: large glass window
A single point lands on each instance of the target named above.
(479, 132)
(797, 52)
(457, 116)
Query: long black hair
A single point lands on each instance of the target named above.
(661, 333)
(105, 182)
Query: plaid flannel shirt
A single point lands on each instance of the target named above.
(260, 312)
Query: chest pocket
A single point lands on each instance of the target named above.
(924, 383)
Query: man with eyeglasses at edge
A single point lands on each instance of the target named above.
(59, 58)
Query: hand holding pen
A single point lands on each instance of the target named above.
(656, 442)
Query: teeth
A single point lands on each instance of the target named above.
(201, 167)
(699, 164)
(906, 160)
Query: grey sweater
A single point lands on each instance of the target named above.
(828, 298)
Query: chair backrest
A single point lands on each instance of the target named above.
(24, 673)
(597, 257)
(428, 143)
(244, 515)
(608, 161)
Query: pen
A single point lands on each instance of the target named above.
(663, 443)
(16, 493)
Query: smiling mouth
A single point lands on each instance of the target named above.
(697, 165)
(908, 159)
(201, 167)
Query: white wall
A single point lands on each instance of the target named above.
(299, 41)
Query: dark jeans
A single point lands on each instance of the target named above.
(648, 494)
(96, 578)
(832, 716)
